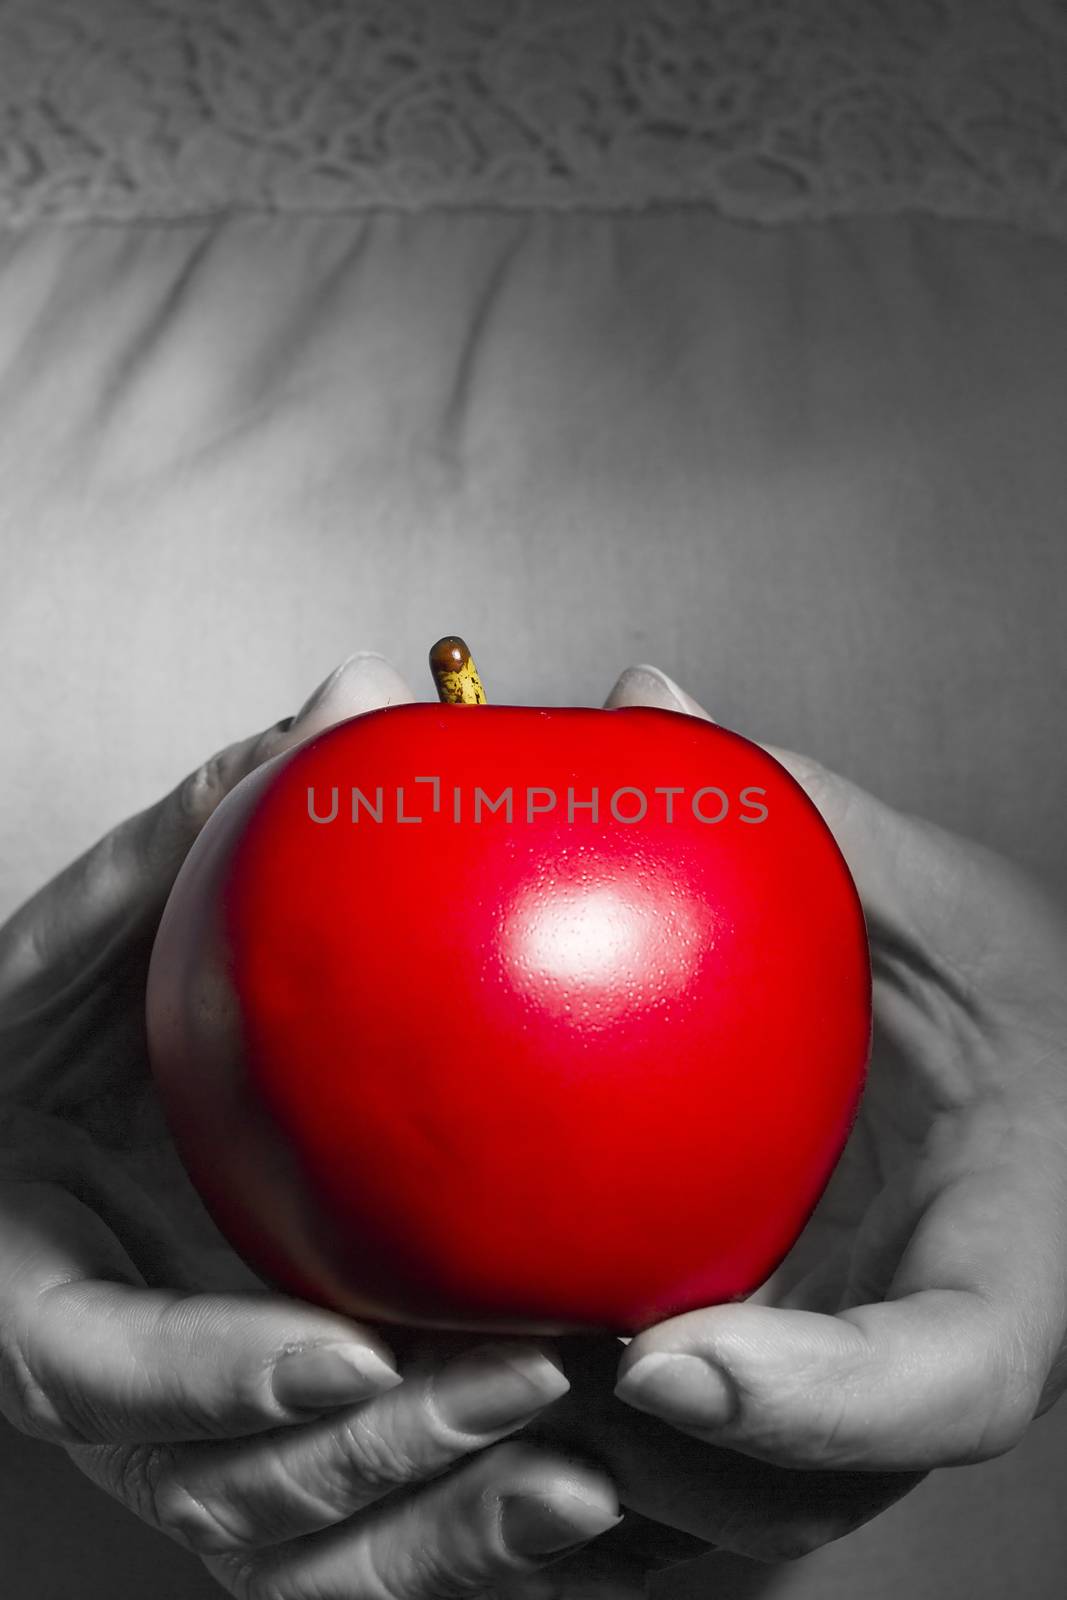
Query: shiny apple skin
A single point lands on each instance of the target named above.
(535, 1076)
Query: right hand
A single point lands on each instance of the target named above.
(920, 1320)
(273, 1438)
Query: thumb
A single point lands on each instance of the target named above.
(884, 849)
(933, 1379)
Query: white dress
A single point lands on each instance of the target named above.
(731, 336)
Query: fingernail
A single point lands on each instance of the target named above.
(492, 1386)
(537, 1525)
(681, 1389)
(332, 1377)
(651, 686)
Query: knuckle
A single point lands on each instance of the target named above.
(291, 1498)
(201, 791)
(380, 1457)
(206, 1526)
(432, 1576)
(273, 740)
(130, 1473)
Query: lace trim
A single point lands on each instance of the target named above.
(766, 110)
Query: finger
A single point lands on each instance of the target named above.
(711, 1497)
(502, 1515)
(130, 871)
(948, 1370)
(86, 1360)
(280, 1486)
(647, 686)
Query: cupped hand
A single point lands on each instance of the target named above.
(921, 1319)
(276, 1439)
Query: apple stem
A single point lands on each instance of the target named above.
(455, 674)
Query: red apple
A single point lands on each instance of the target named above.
(547, 1073)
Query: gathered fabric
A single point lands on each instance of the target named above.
(769, 111)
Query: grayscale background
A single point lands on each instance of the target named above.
(731, 337)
